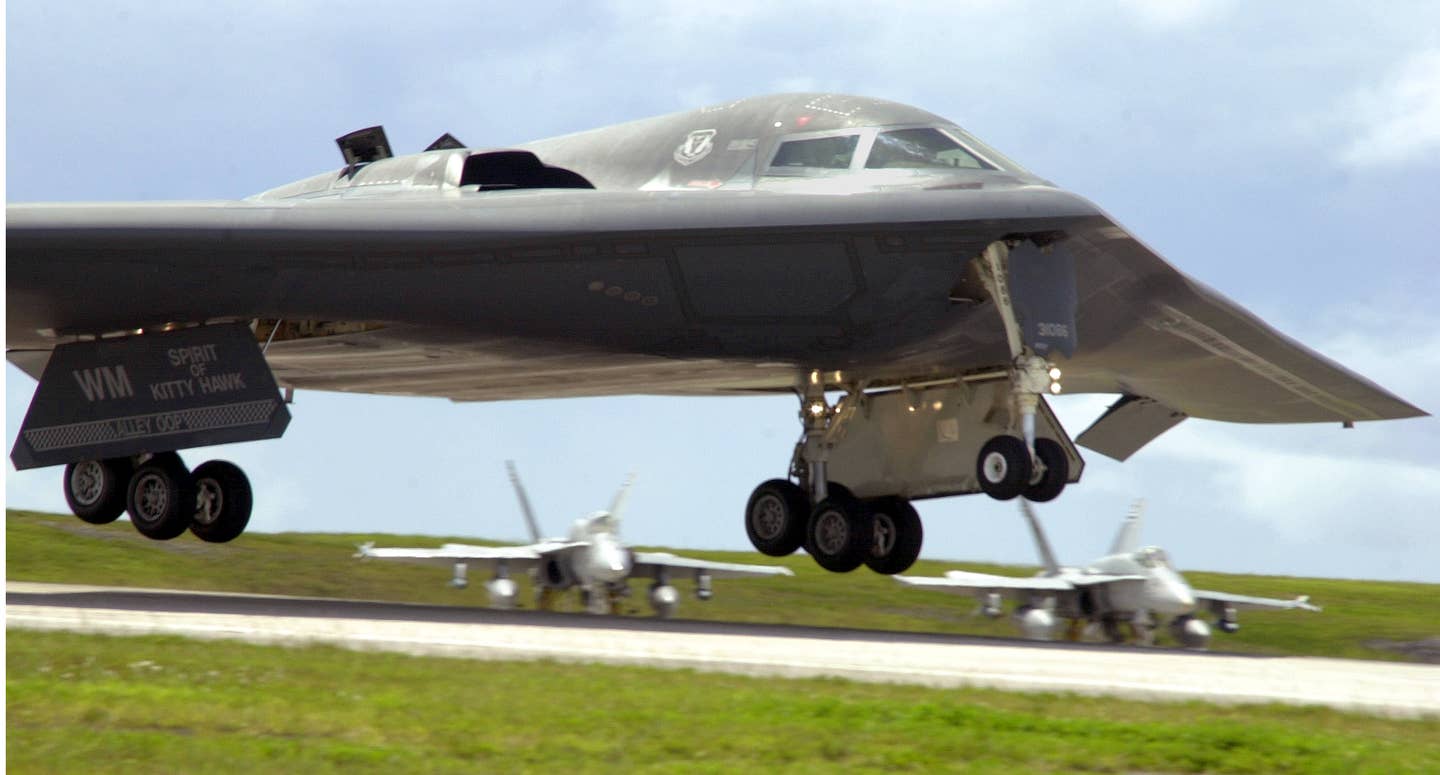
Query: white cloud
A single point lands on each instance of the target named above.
(1398, 119)
(1302, 487)
(1168, 14)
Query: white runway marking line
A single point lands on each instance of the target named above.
(1386, 688)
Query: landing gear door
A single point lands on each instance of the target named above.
(150, 393)
(1042, 284)
(924, 444)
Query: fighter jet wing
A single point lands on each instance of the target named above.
(1221, 600)
(650, 564)
(981, 584)
(516, 557)
(964, 581)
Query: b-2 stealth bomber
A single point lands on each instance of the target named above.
(814, 244)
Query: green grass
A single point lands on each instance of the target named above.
(153, 704)
(63, 549)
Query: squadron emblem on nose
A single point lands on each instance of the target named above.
(696, 146)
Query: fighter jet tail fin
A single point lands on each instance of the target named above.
(617, 506)
(525, 509)
(1128, 539)
(1042, 545)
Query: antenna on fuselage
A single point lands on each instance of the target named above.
(1047, 557)
(524, 502)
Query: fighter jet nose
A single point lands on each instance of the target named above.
(616, 562)
(1177, 597)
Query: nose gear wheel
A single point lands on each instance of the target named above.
(1003, 467)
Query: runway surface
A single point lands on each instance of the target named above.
(1392, 689)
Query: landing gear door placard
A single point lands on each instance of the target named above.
(150, 393)
(1042, 284)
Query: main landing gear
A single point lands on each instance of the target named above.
(842, 532)
(921, 438)
(163, 497)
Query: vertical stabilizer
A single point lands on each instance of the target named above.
(1128, 539)
(1047, 557)
(618, 504)
(524, 502)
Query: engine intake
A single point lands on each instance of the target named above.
(492, 170)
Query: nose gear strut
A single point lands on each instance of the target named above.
(1036, 468)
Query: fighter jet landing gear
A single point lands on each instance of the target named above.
(164, 498)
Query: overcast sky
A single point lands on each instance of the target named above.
(1286, 154)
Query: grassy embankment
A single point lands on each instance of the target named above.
(63, 549)
(99, 704)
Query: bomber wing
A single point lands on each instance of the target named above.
(532, 294)
(651, 564)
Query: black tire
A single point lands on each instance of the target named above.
(1003, 467)
(775, 517)
(840, 532)
(95, 489)
(1057, 471)
(222, 501)
(161, 498)
(898, 536)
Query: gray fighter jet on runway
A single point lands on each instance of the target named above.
(592, 558)
(1132, 584)
(811, 244)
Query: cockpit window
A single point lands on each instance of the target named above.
(1152, 557)
(828, 153)
(603, 522)
(920, 148)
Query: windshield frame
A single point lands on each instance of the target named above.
(993, 160)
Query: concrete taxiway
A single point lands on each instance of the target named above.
(1393, 689)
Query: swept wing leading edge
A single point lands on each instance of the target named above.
(1247, 602)
(647, 565)
(1145, 328)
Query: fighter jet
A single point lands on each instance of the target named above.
(918, 292)
(591, 558)
(1131, 585)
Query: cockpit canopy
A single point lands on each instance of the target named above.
(874, 148)
(1152, 557)
(603, 522)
